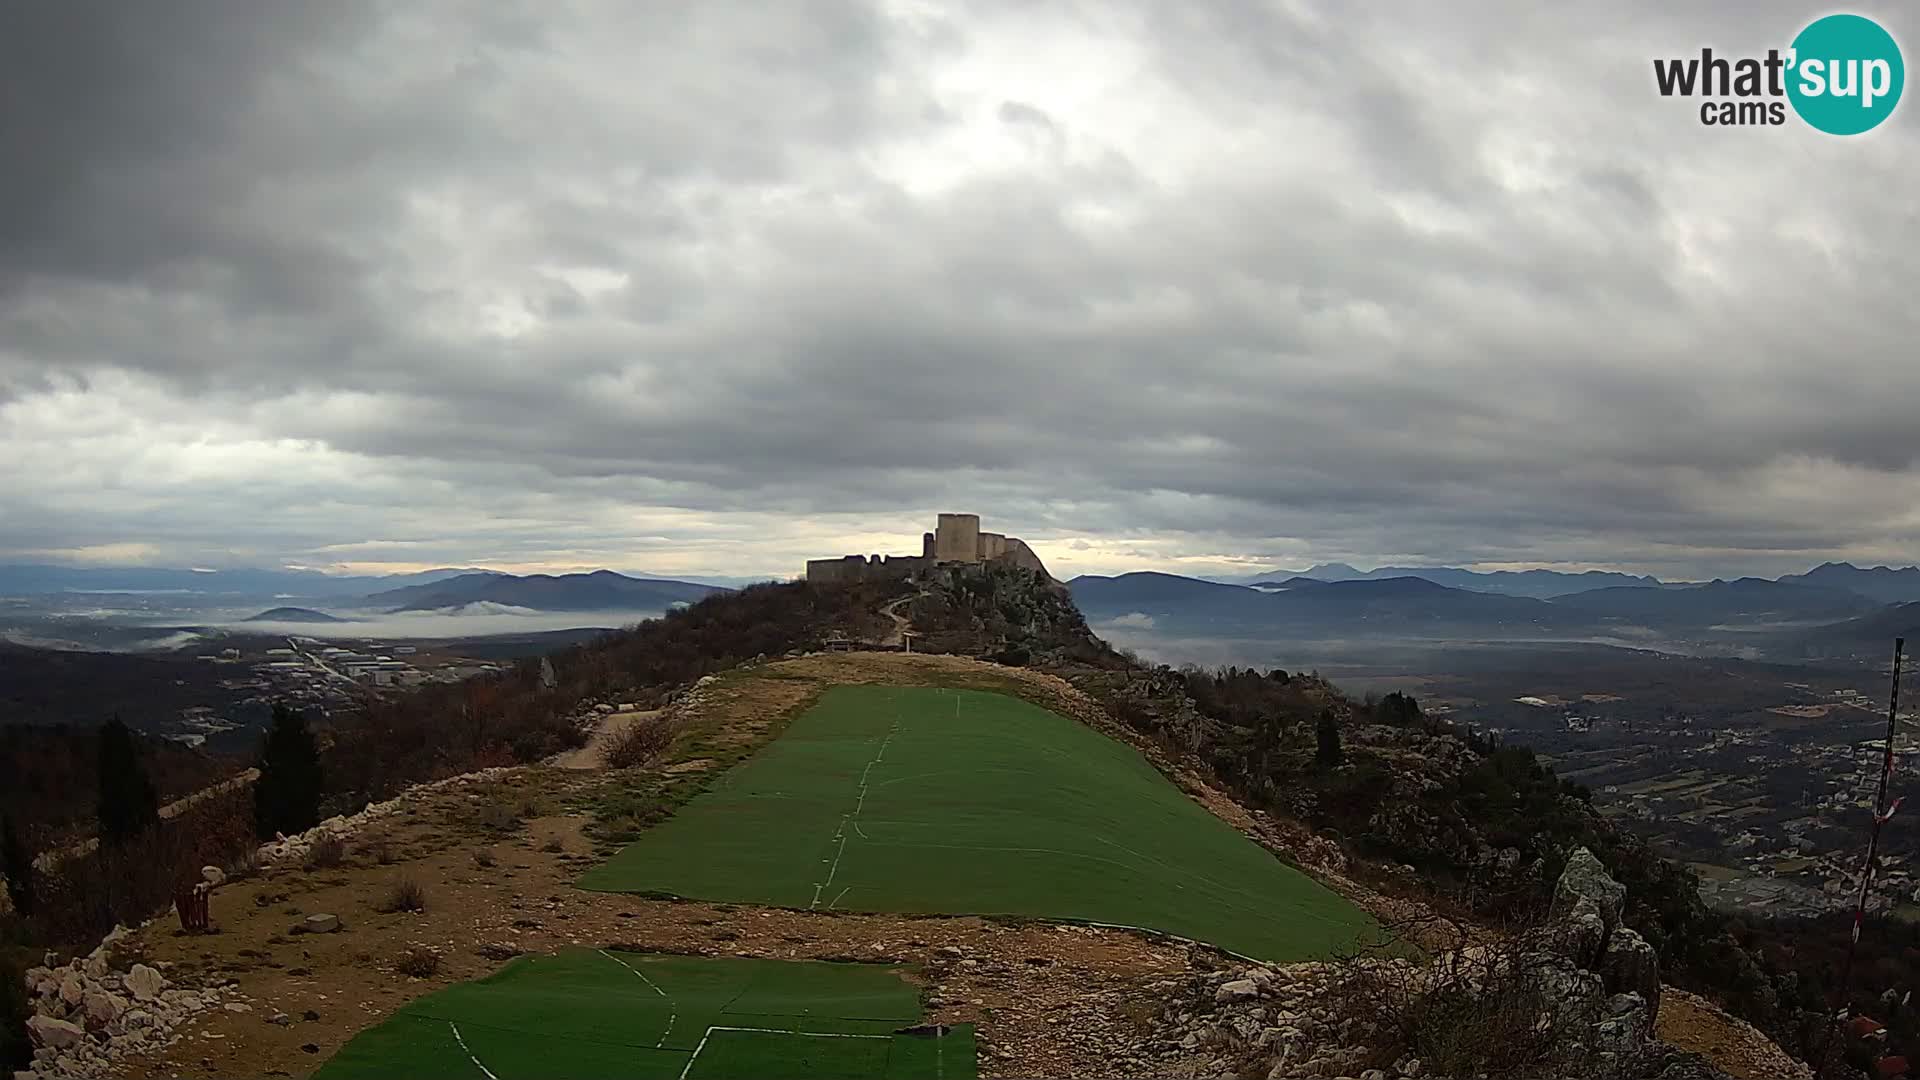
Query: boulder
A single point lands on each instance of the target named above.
(213, 876)
(1236, 990)
(1581, 933)
(55, 1034)
(320, 924)
(144, 983)
(1585, 878)
(73, 989)
(1630, 966)
(103, 1008)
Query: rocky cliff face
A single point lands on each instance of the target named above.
(1573, 999)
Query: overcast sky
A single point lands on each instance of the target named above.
(696, 288)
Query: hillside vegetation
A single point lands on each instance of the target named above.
(1416, 807)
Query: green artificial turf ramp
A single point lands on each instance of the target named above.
(590, 1014)
(914, 799)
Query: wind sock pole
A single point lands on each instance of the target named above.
(1882, 813)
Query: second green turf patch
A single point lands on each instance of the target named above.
(922, 800)
(592, 1013)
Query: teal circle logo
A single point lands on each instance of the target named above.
(1846, 74)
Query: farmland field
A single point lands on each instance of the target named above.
(922, 800)
(593, 1013)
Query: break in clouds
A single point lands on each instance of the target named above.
(713, 288)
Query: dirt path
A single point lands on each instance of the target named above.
(897, 637)
(1693, 1023)
(591, 754)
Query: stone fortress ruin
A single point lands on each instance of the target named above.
(956, 538)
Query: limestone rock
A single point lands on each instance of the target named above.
(1236, 990)
(103, 1008)
(1630, 966)
(213, 876)
(320, 924)
(144, 983)
(1586, 878)
(1581, 933)
(72, 989)
(56, 1034)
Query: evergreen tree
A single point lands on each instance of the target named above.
(1328, 728)
(17, 863)
(286, 798)
(128, 803)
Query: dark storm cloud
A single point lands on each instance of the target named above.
(714, 288)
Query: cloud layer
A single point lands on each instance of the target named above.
(714, 289)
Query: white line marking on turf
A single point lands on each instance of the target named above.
(859, 804)
(767, 1031)
(463, 1045)
(837, 899)
(673, 1011)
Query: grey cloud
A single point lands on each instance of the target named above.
(552, 282)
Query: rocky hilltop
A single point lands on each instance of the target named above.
(1529, 939)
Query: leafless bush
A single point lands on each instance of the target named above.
(405, 894)
(496, 814)
(1470, 1011)
(327, 851)
(382, 852)
(244, 865)
(637, 744)
(418, 962)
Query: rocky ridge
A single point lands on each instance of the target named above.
(1580, 993)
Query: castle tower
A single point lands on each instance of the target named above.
(956, 538)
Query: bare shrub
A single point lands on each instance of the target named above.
(1472, 1011)
(498, 811)
(405, 894)
(637, 744)
(382, 852)
(418, 962)
(328, 851)
(82, 897)
(244, 865)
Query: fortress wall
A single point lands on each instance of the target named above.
(847, 568)
(1019, 554)
(862, 568)
(957, 538)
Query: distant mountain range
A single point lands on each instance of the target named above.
(1880, 583)
(1538, 584)
(35, 580)
(602, 590)
(1750, 601)
(294, 615)
(1410, 605)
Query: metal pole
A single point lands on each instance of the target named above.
(1880, 816)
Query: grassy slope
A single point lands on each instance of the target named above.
(590, 1014)
(961, 802)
